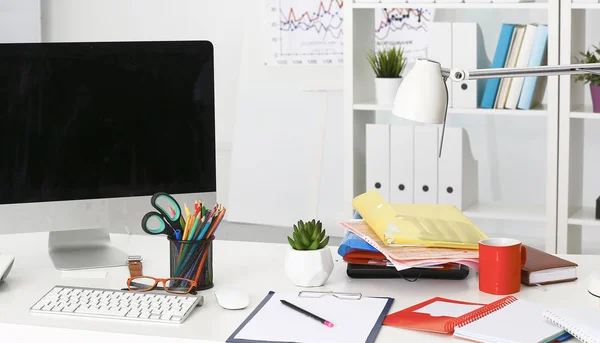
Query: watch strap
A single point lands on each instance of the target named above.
(135, 265)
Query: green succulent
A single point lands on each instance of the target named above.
(388, 62)
(308, 236)
(590, 56)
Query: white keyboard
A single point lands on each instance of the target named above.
(116, 304)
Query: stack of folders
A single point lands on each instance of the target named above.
(396, 240)
(518, 46)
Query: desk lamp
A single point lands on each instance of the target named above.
(423, 96)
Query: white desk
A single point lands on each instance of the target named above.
(254, 267)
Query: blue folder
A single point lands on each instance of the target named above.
(492, 85)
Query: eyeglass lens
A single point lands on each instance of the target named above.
(175, 285)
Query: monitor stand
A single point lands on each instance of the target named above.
(84, 249)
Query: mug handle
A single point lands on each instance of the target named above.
(523, 256)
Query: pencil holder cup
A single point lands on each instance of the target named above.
(193, 260)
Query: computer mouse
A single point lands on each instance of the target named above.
(231, 299)
(6, 262)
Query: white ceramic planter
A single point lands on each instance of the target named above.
(310, 268)
(385, 90)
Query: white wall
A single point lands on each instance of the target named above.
(20, 21)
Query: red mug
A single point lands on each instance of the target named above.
(500, 263)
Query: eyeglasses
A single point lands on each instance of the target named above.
(171, 285)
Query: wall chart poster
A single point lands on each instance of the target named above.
(310, 32)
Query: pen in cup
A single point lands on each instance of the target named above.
(305, 312)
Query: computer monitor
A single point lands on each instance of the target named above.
(89, 131)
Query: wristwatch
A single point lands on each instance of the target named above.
(135, 265)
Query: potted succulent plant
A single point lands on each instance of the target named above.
(387, 64)
(592, 56)
(308, 262)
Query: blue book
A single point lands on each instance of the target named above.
(492, 85)
(537, 56)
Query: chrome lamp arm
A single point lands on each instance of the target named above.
(476, 74)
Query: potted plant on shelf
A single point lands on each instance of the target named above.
(592, 56)
(308, 262)
(388, 64)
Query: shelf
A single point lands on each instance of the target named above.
(506, 211)
(585, 216)
(539, 112)
(584, 5)
(584, 112)
(449, 5)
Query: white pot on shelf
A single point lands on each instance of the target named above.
(308, 268)
(385, 89)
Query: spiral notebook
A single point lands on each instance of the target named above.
(506, 320)
(582, 323)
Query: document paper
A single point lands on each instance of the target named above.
(353, 320)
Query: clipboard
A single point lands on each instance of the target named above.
(356, 319)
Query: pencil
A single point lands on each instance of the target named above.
(187, 210)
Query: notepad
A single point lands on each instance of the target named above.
(354, 320)
(515, 322)
(582, 323)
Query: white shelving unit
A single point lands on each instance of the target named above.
(360, 109)
(578, 130)
(541, 111)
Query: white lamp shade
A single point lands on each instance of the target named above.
(422, 96)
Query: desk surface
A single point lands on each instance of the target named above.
(254, 267)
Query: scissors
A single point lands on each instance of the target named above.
(169, 222)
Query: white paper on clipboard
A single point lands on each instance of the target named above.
(354, 320)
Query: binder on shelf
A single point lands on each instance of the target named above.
(439, 49)
(522, 61)
(492, 85)
(378, 159)
(402, 161)
(464, 55)
(534, 87)
(426, 164)
(458, 171)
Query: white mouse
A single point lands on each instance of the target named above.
(231, 299)
(6, 262)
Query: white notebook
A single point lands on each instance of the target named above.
(519, 321)
(582, 323)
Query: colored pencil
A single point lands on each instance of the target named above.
(187, 210)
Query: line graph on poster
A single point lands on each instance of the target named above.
(405, 27)
(305, 32)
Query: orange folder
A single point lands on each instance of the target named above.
(409, 319)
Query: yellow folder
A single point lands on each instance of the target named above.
(424, 225)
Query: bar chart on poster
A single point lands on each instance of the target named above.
(305, 32)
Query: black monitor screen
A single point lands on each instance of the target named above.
(102, 120)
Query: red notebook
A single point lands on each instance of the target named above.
(442, 315)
